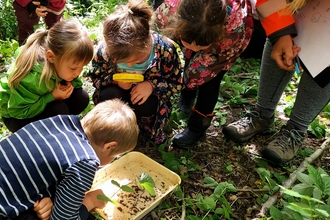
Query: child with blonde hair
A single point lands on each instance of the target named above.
(130, 47)
(51, 163)
(44, 79)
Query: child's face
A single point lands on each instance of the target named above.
(68, 69)
(193, 46)
(136, 59)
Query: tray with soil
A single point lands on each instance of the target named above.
(126, 171)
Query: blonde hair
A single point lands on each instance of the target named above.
(109, 121)
(126, 31)
(294, 5)
(66, 39)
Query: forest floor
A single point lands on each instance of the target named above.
(226, 161)
(216, 155)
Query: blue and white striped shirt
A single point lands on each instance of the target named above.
(47, 158)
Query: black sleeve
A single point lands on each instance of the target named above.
(31, 7)
(289, 30)
(83, 212)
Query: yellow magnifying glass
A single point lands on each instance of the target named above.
(128, 77)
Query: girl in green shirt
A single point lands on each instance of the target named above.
(43, 81)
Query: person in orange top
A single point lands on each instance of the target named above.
(277, 69)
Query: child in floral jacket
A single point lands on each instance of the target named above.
(135, 49)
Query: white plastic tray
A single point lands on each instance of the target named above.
(124, 171)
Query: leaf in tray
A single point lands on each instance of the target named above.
(127, 189)
(147, 183)
(105, 198)
(114, 182)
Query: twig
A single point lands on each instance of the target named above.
(243, 75)
(154, 216)
(238, 190)
(183, 214)
(253, 190)
(288, 183)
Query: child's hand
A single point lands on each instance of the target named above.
(43, 208)
(60, 94)
(295, 50)
(91, 202)
(125, 85)
(282, 53)
(41, 11)
(65, 86)
(141, 92)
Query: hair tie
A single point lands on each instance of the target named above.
(130, 11)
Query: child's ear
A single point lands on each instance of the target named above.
(109, 147)
(50, 56)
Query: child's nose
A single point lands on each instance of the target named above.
(129, 64)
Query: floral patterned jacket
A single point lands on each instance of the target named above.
(204, 65)
(164, 73)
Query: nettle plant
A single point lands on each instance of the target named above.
(309, 199)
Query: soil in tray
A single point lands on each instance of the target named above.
(130, 205)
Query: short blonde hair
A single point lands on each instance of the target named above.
(112, 121)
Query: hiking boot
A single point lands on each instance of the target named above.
(249, 126)
(284, 147)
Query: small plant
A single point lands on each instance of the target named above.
(308, 199)
(125, 188)
(145, 182)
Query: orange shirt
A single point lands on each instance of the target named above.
(274, 15)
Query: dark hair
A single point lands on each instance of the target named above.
(126, 31)
(200, 21)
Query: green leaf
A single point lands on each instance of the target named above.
(301, 208)
(275, 213)
(114, 182)
(304, 178)
(147, 183)
(303, 189)
(206, 204)
(296, 194)
(127, 189)
(316, 177)
(209, 181)
(106, 199)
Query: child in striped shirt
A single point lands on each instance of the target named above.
(57, 157)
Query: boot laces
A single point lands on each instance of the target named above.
(288, 139)
(248, 119)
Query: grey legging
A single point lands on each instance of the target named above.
(310, 100)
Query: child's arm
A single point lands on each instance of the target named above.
(43, 208)
(71, 190)
(91, 201)
(167, 80)
(101, 71)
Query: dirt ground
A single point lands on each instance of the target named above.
(213, 155)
